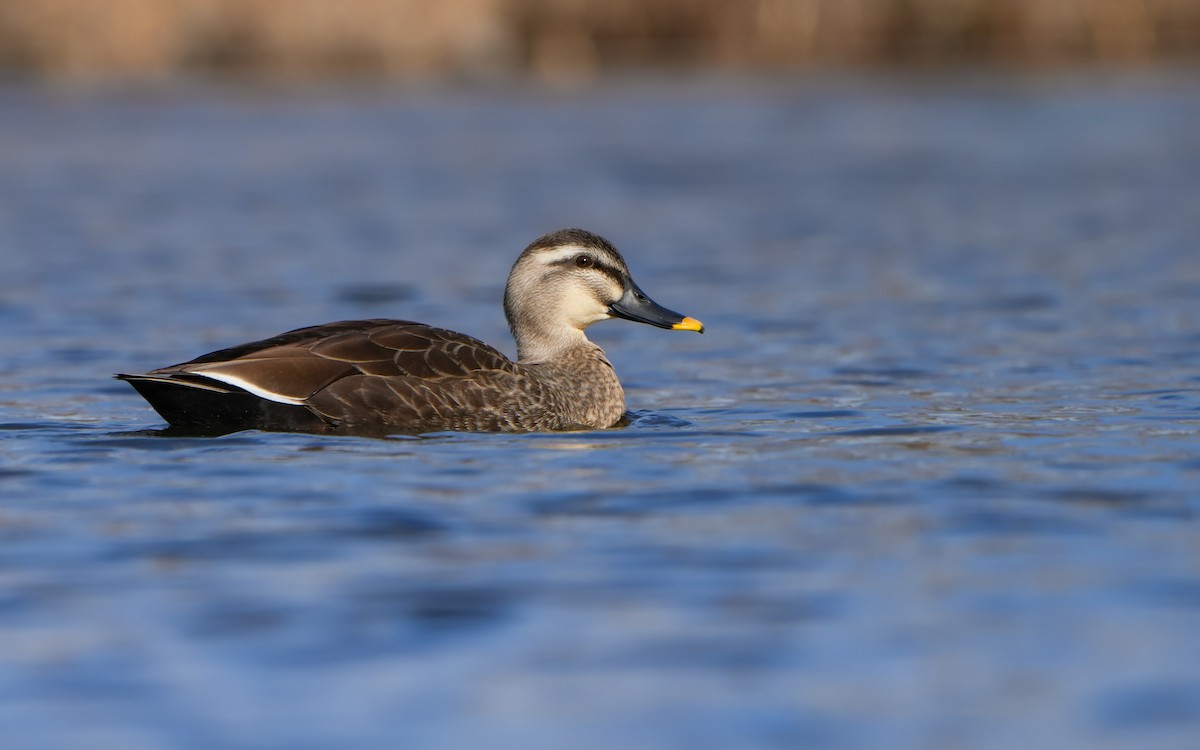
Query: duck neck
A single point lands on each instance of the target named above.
(563, 343)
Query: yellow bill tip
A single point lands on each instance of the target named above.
(689, 324)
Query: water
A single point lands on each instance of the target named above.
(931, 479)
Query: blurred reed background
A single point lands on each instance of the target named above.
(571, 39)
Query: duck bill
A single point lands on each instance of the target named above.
(636, 306)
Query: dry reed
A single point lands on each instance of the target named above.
(575, 38)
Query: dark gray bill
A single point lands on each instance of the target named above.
(635, 305)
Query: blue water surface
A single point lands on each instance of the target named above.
(930, 480)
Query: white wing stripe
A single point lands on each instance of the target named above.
(234, 380)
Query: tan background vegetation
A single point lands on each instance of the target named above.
(573, 38)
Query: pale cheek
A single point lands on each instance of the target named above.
(583, 311)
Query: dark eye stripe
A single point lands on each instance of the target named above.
(597, 265)
(611, 273)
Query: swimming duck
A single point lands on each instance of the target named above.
(400, 376)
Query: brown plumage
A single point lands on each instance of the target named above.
(401, 376)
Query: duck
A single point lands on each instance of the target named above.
(399, 376)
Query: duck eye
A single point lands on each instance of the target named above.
(584, 261)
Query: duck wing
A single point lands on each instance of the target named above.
(370, 371)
